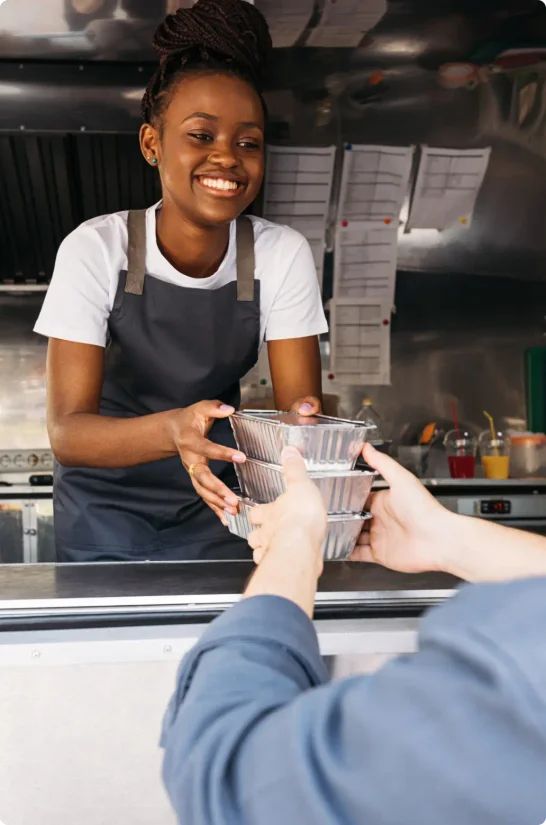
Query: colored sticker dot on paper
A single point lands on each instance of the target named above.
(331, 376)
(387, 221)
(386, 323)
(263, 382)
(464, 220)
(349, 146)
(345, 224)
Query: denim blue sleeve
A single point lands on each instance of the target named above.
(454, 734)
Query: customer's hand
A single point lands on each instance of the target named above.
(409, 528)
(296, 521)
(309, 405)
(188, 429)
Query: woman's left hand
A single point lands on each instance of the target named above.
(306, 406)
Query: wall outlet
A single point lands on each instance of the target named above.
(21, 461)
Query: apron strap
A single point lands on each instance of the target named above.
(246, 259)
(136, 251)
(136, 255)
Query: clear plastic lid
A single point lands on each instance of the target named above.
(529, 439)
(294, 419)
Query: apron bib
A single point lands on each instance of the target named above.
(169, 347)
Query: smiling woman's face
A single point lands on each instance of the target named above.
(209, 147)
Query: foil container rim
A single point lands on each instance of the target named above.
(345, 425)
(314, 473)
(333, 518)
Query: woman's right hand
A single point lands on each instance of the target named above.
(188, 429)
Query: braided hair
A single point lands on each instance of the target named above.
(225, 36)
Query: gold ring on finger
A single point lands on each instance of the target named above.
(191, 468)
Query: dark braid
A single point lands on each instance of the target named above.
(227, 36)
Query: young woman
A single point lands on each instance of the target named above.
(154, 317)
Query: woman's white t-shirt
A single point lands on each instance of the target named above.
(81, 295)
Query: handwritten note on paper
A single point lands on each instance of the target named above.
(298, 186)
(287, 19)
(344, 23)
(360, 340)
(447, 187)
(365, 262)
(374, 182)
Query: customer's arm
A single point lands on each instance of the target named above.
(412, 532)
(288, 538)
(455, 734)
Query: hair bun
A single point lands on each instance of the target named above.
(233, 30)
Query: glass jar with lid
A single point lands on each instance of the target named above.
(528, 455)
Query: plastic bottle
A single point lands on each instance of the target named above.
(368, 416)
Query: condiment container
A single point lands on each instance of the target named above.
(528, 455)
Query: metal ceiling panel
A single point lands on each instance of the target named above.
(123, 29)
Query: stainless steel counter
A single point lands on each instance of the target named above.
(89, 654)
(191, 591)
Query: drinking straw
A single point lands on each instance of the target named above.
(456, 423)
(493, 432)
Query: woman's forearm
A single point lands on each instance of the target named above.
(295, 371)
(90, 440)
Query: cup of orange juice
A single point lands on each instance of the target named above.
(495, 455)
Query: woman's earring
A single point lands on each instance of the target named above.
(153, 160)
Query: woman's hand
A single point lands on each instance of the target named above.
(188, 428)
(309, 405)
(409, 530)
(296, 521)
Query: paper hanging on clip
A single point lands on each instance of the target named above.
(365, 261)
(374, 182)
(298, 187)
(447, 187)
(360, 341)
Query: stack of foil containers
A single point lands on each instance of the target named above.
(330, 448)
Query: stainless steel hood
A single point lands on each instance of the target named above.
(424, 30)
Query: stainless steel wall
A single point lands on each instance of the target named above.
(457, 337)
(22, 374)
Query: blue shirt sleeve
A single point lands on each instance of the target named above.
(254, 735)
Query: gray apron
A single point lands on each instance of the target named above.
(169, 347)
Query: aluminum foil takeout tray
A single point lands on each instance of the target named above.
(341, 535)
(325, 443)
(343, 493)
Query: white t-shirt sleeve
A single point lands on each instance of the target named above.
(78, 301)
(297, 310)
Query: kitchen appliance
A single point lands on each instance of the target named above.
(512, 503)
